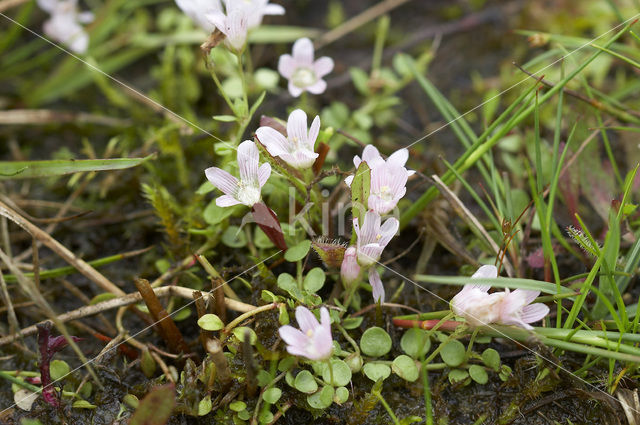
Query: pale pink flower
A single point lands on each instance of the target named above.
(350, 269)
(313, 340)
(246, 190)
(240, 17)
(387, 187)
(373, 237)
(297, 148)
(198, 9)
(303, 73)
(64, 24)
(478, 307)
(372, 157)
(516, 308)
(234, 25)
(255, 9)
(376, 285)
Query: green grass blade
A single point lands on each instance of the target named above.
(50, 168)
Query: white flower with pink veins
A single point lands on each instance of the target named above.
(313, 340)
(303, 72)
(373, 237)
(297, 149)
(245, 190)
(478, 307)
(64, 24)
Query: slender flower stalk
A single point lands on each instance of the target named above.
(303, 72)
(313, 340)
(478, 307)
(64, 25)
(247, 189)
(373, 237)
(297, 148)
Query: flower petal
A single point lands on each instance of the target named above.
(222, 180)
(349, 180)
(323, 66)
(376, 285)
(226, 201)
(485, 271)
(318, 87)
(293, 336)
(273, 140)
(248, 157)
(297, 127)
(294, 90)
(303, 51)
(314, 130)
(399, 157)
(306, 320)
(287, 65)
(388, 230)
(273, 9)
(534, 312)
(263, 174)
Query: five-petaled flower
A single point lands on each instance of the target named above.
(240, 17)
(313, 340)
(478, 307)
(373, 237)
(252, 177)
(303, 73)
(64, 24)
(297, 148)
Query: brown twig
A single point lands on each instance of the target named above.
(123, 301)
(84, 268)
(167, 327)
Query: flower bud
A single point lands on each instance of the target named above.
(350, 269)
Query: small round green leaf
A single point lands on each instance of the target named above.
(241, 333)
(131, 401)
(405, 367)
(210, 322)
(265, 417)
(314, 280)
(453, 353)
(321, 399)
(214, 214)
(375, 371)
(491, 358)
(244, 415)
(341, 373)
(305, 383)
(286, 363)
(352, 322)
(272, 395)
(234, 237)
(105, 296)
(237, 406)
(341, 395)
(204, 407)
(478, 374)
(59, 369)
(375, 342)
(181, 314)
(458, 375)
(297, 252)
(354, 361)
(415, 342)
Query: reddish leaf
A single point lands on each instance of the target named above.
(48, 346)
(156, 407)
(268, 222)
(323, 150)
(266, 121)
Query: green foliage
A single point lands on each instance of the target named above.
(375, 342)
